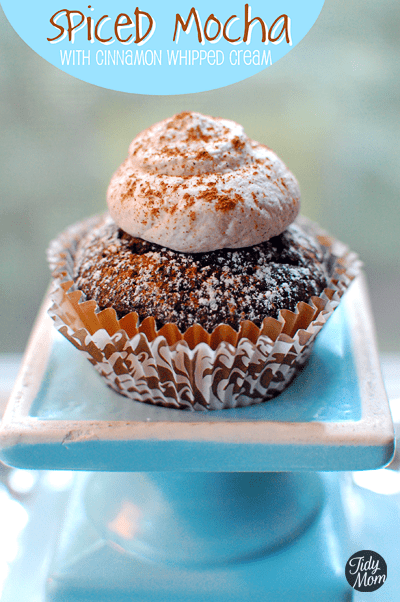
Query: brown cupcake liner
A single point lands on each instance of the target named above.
(194, 370)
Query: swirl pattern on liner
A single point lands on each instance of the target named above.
(194, 183)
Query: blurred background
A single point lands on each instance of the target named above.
(329, 108)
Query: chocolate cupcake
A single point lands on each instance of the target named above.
(225, 286)
(198, 290)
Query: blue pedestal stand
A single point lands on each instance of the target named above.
(194, 537)
(220, 506)
(203, 536)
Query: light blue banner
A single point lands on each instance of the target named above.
(159, 47)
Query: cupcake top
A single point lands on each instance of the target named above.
(224, 286)
(194, 184)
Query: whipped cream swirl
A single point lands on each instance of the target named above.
(194, 183)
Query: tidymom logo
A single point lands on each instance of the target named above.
(366, 571)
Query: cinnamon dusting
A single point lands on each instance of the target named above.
(226, 286)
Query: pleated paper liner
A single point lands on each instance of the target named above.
(194, 370)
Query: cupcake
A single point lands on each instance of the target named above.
(201, 288)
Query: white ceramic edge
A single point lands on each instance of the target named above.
(374, 429)
(376, 414)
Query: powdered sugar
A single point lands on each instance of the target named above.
(225, 286)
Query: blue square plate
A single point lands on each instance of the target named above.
(334, 416)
